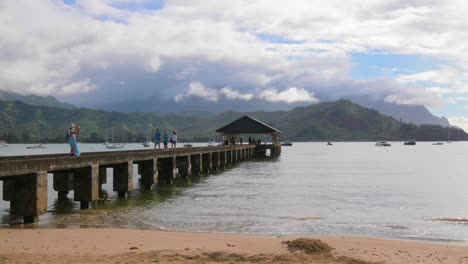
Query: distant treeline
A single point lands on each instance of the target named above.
(338, 121)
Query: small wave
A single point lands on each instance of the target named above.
(452, 220)
(397, 227)
(301, 218)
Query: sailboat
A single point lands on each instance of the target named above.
(114, 145)
(383, 143)
(448, 135)
(39, 145)
(148, 143)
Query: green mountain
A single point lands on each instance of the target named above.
(341, 120)
(35, 100)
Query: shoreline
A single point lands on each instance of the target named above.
(111, 245)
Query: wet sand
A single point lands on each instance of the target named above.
(142, 246)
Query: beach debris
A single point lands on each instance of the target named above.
(229, 245)
(308, 245)
(133, 248)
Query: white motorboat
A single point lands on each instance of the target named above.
(383, 144)
(211, 143)
(3, 144)
(148, 144)
(115, 146)
(37, 146)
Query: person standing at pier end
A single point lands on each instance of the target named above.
(73, 131)
(157, 139)
(165, 140)
(174, 140)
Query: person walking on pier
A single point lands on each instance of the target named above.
(174, 140)
(73, 131)
(165, 140)
(157, 139)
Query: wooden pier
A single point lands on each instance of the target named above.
(25, 182)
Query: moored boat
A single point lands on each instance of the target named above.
(148, 144)
(410, 142)
(438, 143)
(286, 143)
(37, 146)
(383, 144)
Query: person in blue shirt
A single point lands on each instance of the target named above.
(165, 140)
(157, 139)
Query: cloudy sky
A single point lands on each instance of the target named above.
(297, 51)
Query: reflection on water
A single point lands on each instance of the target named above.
(346, 189)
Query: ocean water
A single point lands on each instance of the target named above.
(414, 192)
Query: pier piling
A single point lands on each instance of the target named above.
(123, 178)
(63, 184)
(149, 173)
(86, 185)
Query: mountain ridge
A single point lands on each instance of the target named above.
(341, 120)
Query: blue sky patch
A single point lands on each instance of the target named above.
(372, 65)
(147, 5)
(277, 39)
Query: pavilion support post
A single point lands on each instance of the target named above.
(197, 164)
(123, 178)
(206, 162)
(184, 166)
(149, 173)
(86, 184)
(228, 157)
(63, 184)
(167, 170)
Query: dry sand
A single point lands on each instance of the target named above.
(141, 246)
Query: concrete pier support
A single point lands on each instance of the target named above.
(86, 184)
(197, 164)
(9, 194)
(63, 183)
(102, 180)
(31, 196)
(206, 162)
(184, 166)
(149, 173)
(27, 195)
(215, 160)
(123, 178)
(221, 159)
(166, 170)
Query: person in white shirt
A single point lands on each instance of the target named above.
(174, 140)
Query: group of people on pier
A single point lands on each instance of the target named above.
(165, 139)
(232, 141)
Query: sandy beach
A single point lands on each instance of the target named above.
(142, 246)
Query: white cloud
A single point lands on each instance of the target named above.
(47, 45)
(459, 121)
(197, 89)
(77, 88)
(231, 94)
(290, 95)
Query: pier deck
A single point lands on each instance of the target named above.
(25, 181)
